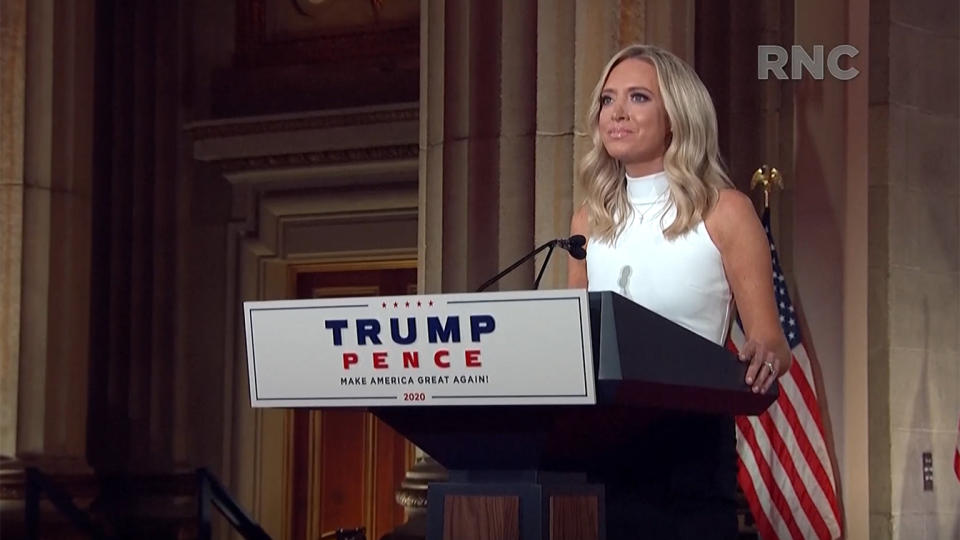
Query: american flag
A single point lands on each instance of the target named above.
(785, 469)
(956, 453)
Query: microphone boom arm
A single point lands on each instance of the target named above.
(536, 284)
(551, 244)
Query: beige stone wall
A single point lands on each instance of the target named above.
(914, 263)
(854, 407)
(12, 54)
(45, 217)
(819, 204)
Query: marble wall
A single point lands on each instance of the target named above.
(914, 198)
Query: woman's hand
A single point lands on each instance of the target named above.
(743, 245)
(763, 365)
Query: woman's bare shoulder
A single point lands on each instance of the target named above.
(732, 214)
(733, 203)
(580, 223)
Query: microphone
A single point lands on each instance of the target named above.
(574, 245)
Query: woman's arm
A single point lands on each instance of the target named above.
(735, 229)
(577, 269)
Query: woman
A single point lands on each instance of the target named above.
(667, 229)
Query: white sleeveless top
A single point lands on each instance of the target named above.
(682, 280)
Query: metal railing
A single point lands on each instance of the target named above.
(37, 484)
(211, 491)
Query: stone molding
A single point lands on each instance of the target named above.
(273, 124)
(303, 159)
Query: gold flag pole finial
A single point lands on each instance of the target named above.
(769, 177)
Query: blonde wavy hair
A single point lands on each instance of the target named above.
(691, 161)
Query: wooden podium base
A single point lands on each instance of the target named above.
(515, 505)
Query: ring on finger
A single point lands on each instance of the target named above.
(770, 365)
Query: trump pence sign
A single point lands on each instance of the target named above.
(526, 347)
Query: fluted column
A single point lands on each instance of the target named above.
(667, 23)
(477, 161)
(478, 116)
(46, 186)
(13, 28)
(554, 165)
(133, 295)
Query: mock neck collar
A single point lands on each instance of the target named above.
(648, 188)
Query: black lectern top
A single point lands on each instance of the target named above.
(646, 366)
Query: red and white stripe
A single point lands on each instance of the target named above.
(956, 453)
(785, 468)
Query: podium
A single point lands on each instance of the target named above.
(523, 471)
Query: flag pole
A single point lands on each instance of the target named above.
(768, 177)
(793, 436)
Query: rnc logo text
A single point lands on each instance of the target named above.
(772, 59)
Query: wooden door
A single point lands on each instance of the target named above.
(346, 464)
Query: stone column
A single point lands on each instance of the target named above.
(477, 161)
(667, 23)
(914, 270)
(133, 295)
(47, 179)
(477, 164)
(597, 39)
(478, 85)
(45, 95)
(13, 29)
(561, 43)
